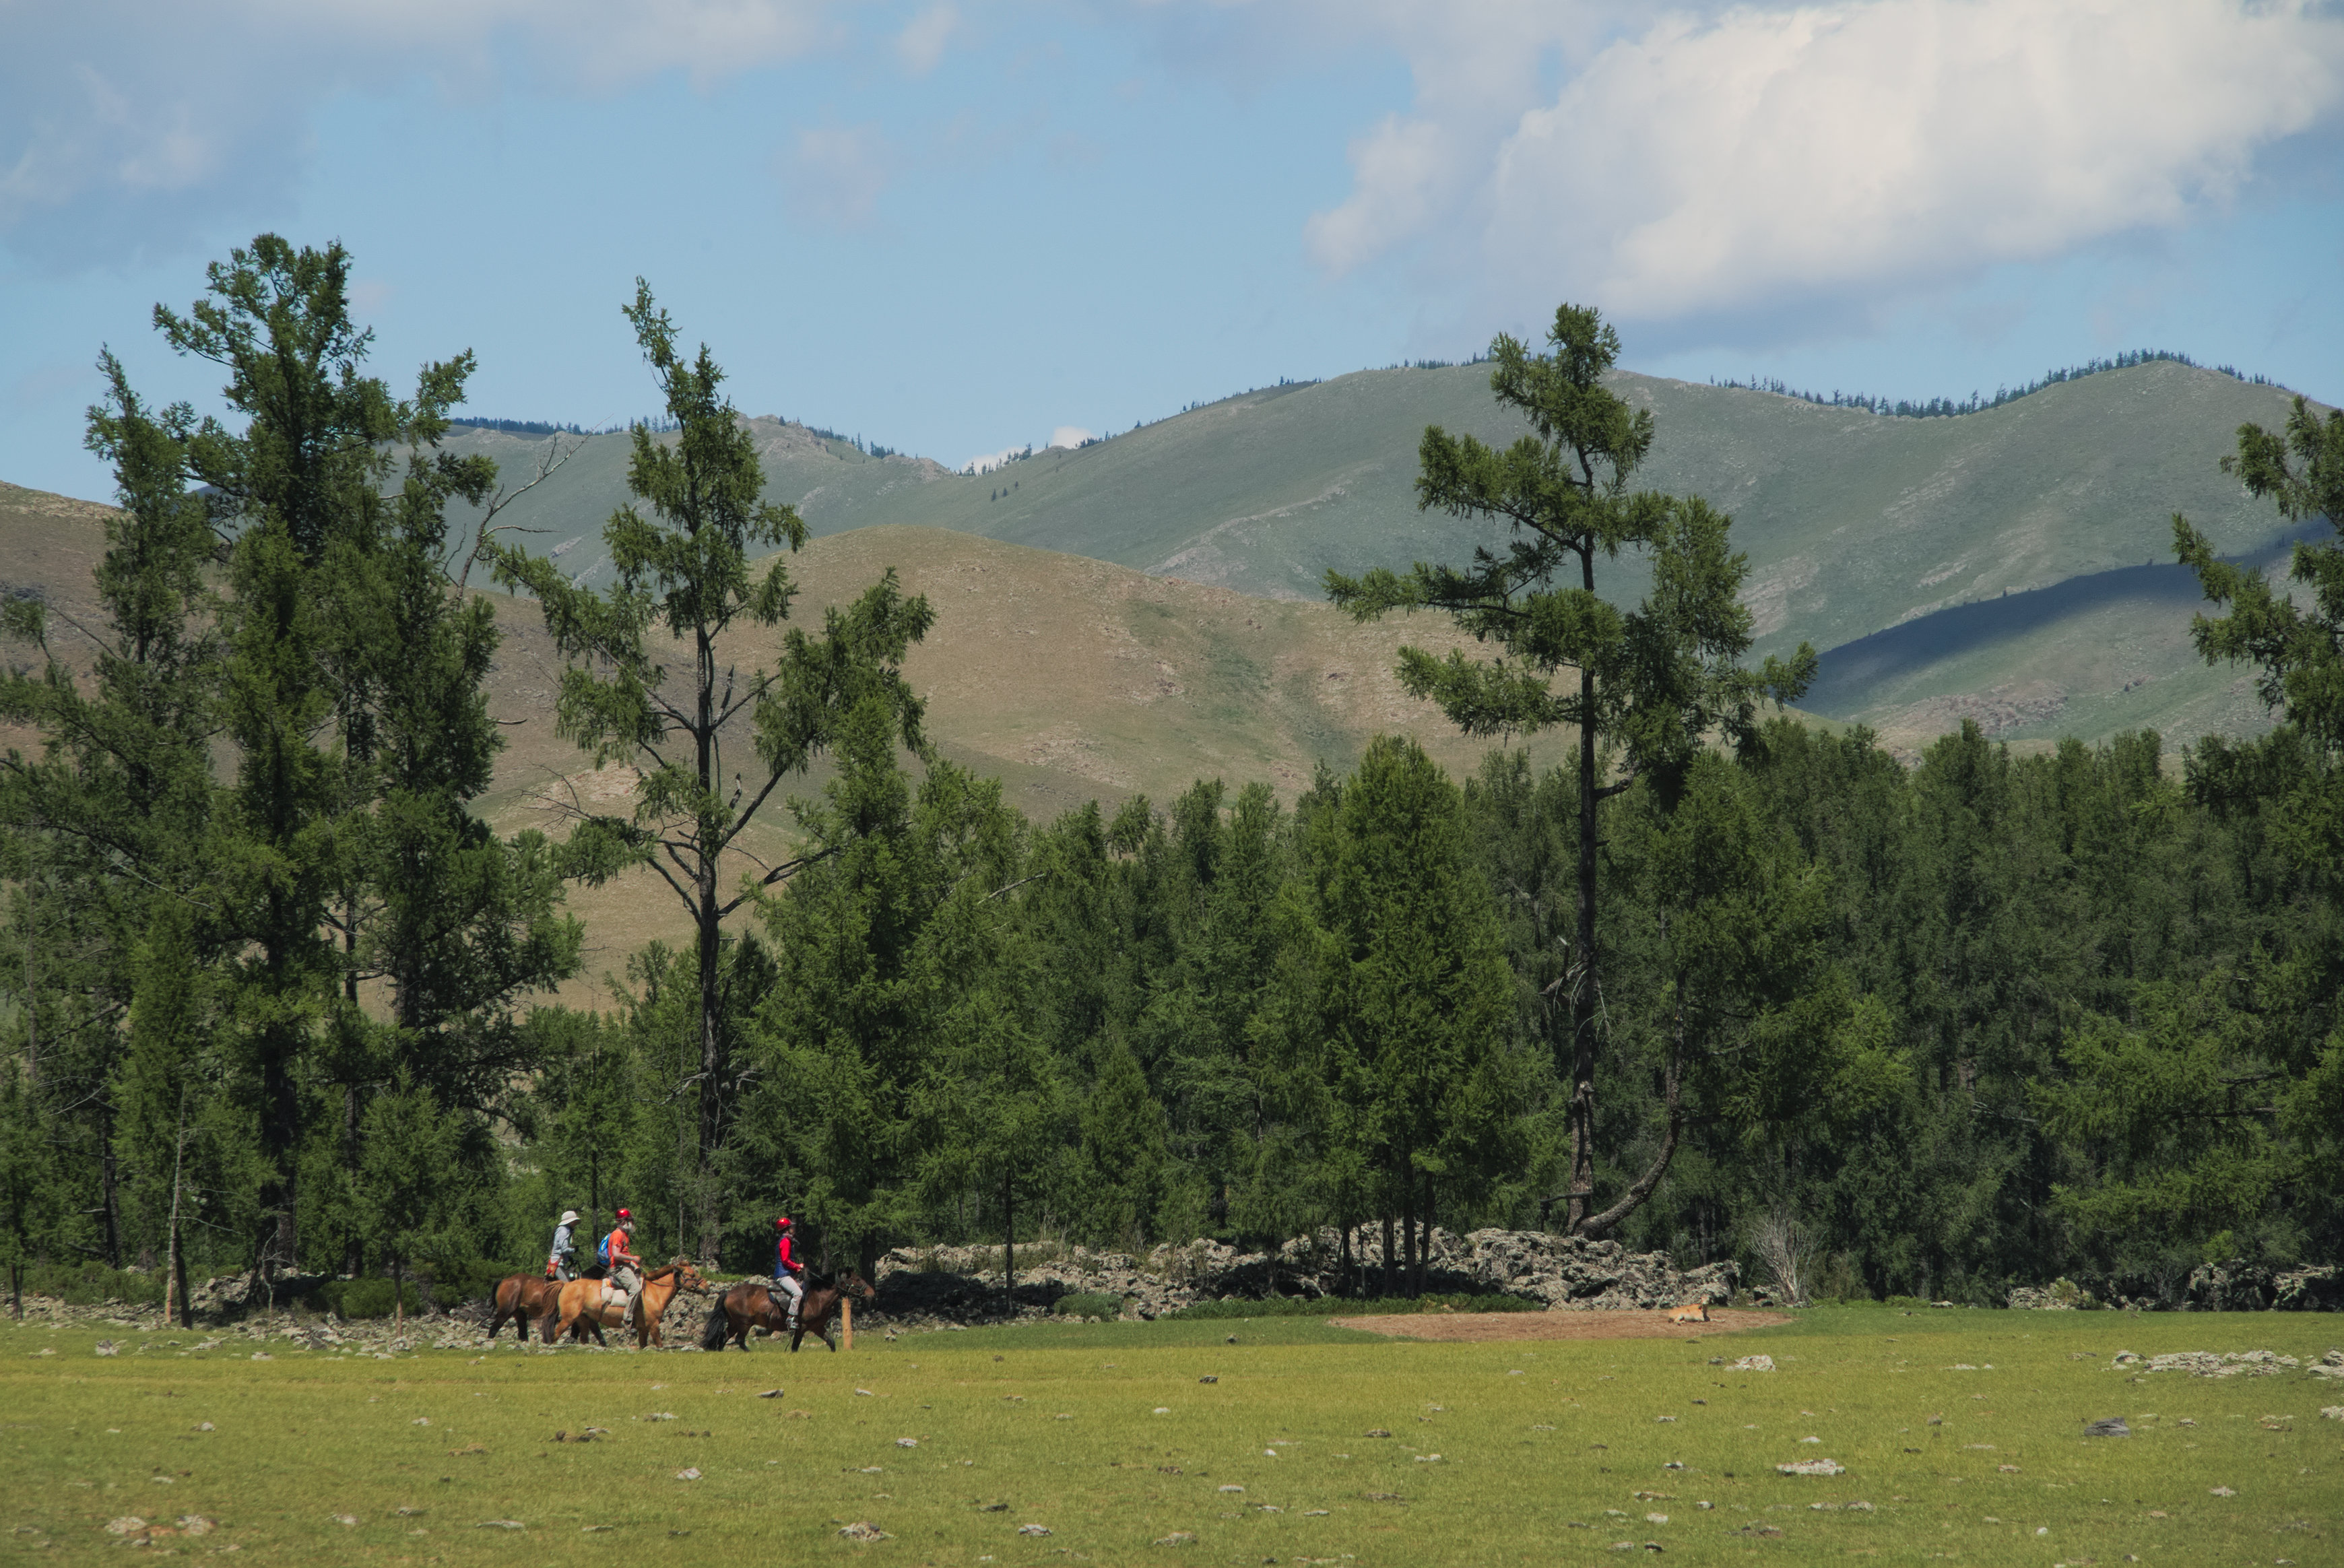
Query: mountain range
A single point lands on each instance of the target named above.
(1128, 616)
(2012, 565)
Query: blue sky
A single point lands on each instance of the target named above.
(960, 226)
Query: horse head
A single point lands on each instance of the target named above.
(856, 1285)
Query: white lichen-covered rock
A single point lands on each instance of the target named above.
(942, 1285)
(2211, 1365)
(2059, 1296)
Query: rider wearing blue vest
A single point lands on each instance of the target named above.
(787, 1265)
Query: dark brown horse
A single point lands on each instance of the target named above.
(751, 1304)
(522, 1297)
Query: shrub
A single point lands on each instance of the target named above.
(456, 1281)
(1089, 1304)
(88, 1284)
(368, 1298)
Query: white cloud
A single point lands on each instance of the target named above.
(1753, 156)
(833, 175)
(125, 126)
(922, 42)
(1069, 435)
(988, 461)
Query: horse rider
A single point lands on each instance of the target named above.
(788, 1266)
(624, 1264)
(558, 1261)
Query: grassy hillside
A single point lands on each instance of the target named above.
(1068, 679)
(1855, 524)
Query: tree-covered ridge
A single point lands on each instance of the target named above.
(1979, 402)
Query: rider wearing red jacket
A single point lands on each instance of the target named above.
(624, 1265)
(788, 1266)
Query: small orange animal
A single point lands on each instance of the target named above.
(1696, 1313)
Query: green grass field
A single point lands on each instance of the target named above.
(1106, 1436)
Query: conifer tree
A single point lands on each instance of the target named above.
(690, 569)
(1399, 1023)
(1651, 686)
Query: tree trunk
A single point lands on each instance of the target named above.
(1008, 1237)
(17, 1290)
(174, 1277)
(354, 1249)
(109, 1196)
(1424, 1254)
(280, 1125)
(1408, 1283)
(32, 991)
(1389, 1258)
(1599, 1226)
(1581, 1068)
(709, 849)
(713, 1065)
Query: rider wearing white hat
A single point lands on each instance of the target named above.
(557, 1263)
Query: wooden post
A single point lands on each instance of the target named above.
(846, 1319)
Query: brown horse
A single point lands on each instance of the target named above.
(588, 1306)
(751, 1304)
(522, 1297)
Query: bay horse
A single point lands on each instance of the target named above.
(588, 1306)
(751, 1304)
(522, 1297)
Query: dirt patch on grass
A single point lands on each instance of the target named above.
(1619, 1325)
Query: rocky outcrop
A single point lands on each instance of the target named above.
(2309, 1289)
(946, 1286)
(2059, 1296)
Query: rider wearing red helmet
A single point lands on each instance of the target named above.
(788, 1266)
(623, 1263)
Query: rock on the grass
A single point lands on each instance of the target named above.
(1813, 1467)
(864, 1530)
(1753, 1364)
(1033, 1529)
(2333, 1413)
(2212, 1364)
(2113, 1427)
(1177, 1538)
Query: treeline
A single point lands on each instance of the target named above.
(1979, 402)
(1720, 984)
(2081, 1002)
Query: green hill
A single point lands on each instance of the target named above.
(1856, 525)
(1068, 679)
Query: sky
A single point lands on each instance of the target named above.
(957, 227)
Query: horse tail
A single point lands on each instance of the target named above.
(713, 1334)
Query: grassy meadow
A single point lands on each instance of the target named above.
(1121, 1441)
